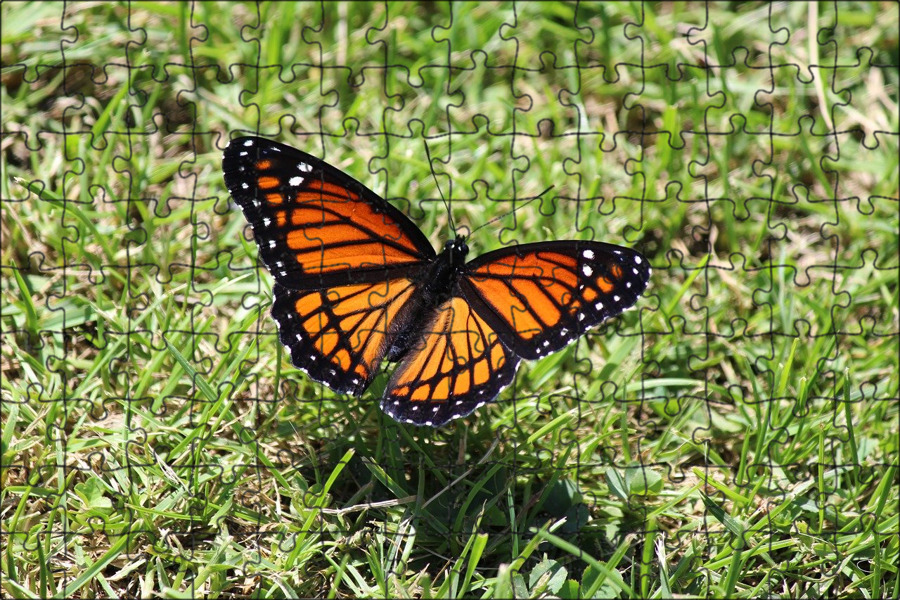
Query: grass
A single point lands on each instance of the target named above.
(735, 436)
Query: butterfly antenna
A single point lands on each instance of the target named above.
(446, 204)
(509, 212)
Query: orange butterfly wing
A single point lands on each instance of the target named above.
(316, 226)
(457, 364)
(343, 259)
(541, 297)
(339, 336)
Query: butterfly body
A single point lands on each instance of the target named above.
(436, 287)
(358, 284)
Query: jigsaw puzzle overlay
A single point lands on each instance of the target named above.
(735, 433)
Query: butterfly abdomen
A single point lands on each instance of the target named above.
(436, 286)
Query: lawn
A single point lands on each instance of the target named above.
(734, 435)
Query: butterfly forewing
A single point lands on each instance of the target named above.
(540, 297)
(316, 226)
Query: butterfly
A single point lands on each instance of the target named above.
(358, 284)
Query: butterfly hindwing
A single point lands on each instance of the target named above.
(540, 297)
(340, 335)
(457, 364)
(316, 226)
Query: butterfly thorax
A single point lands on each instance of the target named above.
(445, 270)
(436, 286)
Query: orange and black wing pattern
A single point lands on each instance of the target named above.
(316, 226)
(519, 302)
(340, 335)
(357, 283)
(456, 365)
(343, 259)
(541, 297)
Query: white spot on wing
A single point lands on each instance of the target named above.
(295, 181)
(248, 143)
(588, 254)
(637, 259)
(587, 270)
(304, 167)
